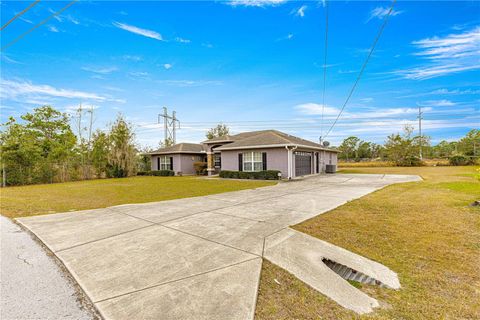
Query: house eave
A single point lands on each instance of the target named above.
(176, 152)
(226, 148)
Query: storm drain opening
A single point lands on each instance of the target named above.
(350, 274)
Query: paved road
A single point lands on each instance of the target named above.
(32, 284)
(200, 258)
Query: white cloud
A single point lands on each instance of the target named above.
(299, 12)
(207, 45)
(182, 40)
(139, 74)
(446, 55)
(167, 66)
(190, 83)
(438, 103)
(143, 32)
(255, 3)
(452, 46)
(287, 37)
(52, 28)
(381, 12)
(316, 109)
(100, 70)
(132, 58)
(56, 17)
(8, 59)
(25, 20)
(24, 89)
(455, 91)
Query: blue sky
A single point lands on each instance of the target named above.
(250, 64)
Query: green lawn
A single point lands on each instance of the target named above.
(425, 231)
(81, 195)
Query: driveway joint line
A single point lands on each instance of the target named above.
(104, 238)
(200, 237)
(179, 279)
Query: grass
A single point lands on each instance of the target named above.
(81, 195)
(425, 231)
(366, 164)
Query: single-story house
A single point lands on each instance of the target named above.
(248, 151)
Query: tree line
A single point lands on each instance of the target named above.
(42, 148)
(404, 148)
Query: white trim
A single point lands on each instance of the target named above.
(275, 146)
(176, 152)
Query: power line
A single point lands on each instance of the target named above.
(38, 25)
(19, 14)
(324, 68)
(385, 20)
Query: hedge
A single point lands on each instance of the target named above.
(162, 173)
(261, 175)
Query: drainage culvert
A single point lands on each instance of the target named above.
(351, 274)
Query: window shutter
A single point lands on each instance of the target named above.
(171, 163)
(158, 163)
(264, 160)
(240, 162)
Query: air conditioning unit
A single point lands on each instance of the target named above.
(330, 168)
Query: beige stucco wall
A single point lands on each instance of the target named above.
(181, 162)
(276, 159)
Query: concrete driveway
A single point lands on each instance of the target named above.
(200, 258)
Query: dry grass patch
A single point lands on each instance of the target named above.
(91, 194)
(424, 231)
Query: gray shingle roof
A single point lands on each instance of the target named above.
(268, 138)
(181, 148)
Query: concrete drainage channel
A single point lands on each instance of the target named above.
(351, 274)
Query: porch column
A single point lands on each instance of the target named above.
(210, 163)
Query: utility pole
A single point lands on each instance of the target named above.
(420, 117)
(169, 125)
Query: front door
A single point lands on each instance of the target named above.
(303, 163)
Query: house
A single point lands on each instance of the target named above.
(248, 151)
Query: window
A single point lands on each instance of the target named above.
(164, 163)
(218, 160)
(252, 161)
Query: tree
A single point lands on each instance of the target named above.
(165, 143)
(122, 152)
(470, 144)
(364, 150)
(349, 147)
(40, 148)
(144, 162)
(100, 151)
(221, 130)
(402, 149)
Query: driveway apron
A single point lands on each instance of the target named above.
(200, 258)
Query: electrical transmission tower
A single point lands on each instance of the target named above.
(420, 118)
(170, 125)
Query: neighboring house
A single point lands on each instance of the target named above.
(248, 151)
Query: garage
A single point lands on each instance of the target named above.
(303, 163)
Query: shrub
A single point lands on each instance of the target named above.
(263, 175)
(163, 173)
(461, 160)
(200, 167)
(411, 161)
(144, 173)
